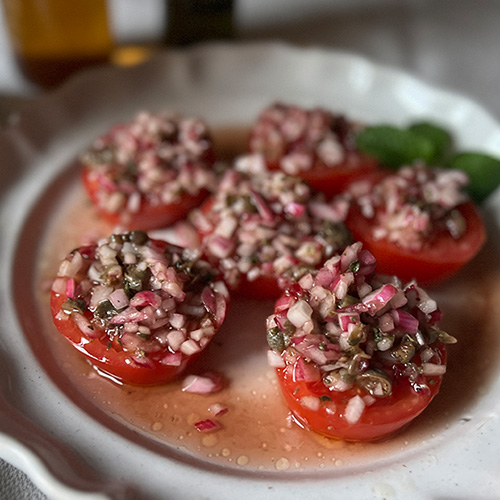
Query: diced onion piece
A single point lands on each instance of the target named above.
(190, 347)
(406, 321)
(310, 402)
(172, 359)
(275, 360)
(199, 384)
(119, 299)
(379, 298)
(218, 409)
(84, 325)
(354, 409)
(207, 425)
(308, 372)
(299, 313)
(430, 369)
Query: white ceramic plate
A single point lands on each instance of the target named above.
(73, 450)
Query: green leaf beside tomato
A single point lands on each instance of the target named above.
(431, 144)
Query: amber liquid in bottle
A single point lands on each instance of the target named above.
(54, 38)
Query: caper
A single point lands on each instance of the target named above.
(358, 334)
(445, 337)
(404, 352)
(105, 310)
(138, 237)
(375, 382)
(135, 279)
(71, 305)
(277, 339)
(340, 379)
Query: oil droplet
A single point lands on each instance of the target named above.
(210, 440)
(339, 463)
(282, 464)
(226, 452)
(242, 460)
(157, 426)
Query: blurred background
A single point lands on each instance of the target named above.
(449, 43)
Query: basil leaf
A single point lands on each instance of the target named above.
(394, 147)
(483, 171)
(440, 137)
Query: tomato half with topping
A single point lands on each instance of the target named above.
(313, 144)
(151, 172)
(326, 412)
(140, 310)
(264, 229)
(357, 355)
(417, 223)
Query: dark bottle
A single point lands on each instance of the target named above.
(191, 21)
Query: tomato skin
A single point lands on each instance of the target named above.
(113, 360)
(379, 420)
(334, 180)
(443, 257)
(149, 216)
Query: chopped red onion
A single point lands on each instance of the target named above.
(84, 325)
(208, 299)
(299, 313)
(218, 409)
(405, 321)
(207, 384)
(295, 209)
(309, 372)
(172, 359)
(379, 298)
(207, 425)
(119, 299)
(145, 298)
(70, 288)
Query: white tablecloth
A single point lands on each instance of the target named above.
(449, 43)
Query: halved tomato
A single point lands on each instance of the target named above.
(357, 355)
(316, 407)
(314, 144)
(442, 257)
(264, 229)
(148, 215)
(139, 310)
(150, 172)
(421, 226)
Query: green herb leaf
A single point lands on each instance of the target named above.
(483, 171)
(394, 147)
(440, 138)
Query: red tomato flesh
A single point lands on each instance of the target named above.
(442, 257)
